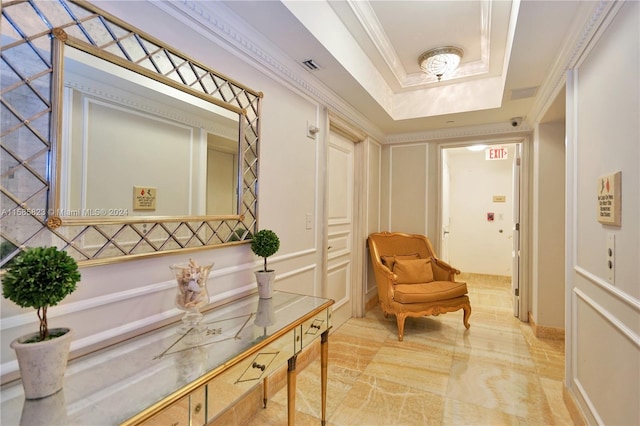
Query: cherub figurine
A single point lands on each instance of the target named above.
(190, 285)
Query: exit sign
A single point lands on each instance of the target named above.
(496, 153)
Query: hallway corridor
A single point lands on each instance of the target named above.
(496, 373)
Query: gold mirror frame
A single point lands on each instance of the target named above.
(30, 136)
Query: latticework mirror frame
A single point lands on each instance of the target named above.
(29, 147)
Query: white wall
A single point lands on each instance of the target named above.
(603, 342)
(407, 183)
(547, 299)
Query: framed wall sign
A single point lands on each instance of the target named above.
(610, 199)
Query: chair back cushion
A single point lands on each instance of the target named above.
(413, 271)
(390, 261)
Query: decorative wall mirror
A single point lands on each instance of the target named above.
(116, 146)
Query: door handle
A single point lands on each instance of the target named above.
(329, 248)
(445, 232)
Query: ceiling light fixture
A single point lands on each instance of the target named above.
(440, 61)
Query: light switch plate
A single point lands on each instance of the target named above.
(611, 261)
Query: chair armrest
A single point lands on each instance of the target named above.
(384, 278)
(442, 271)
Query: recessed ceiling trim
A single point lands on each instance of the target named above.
(477, 133)
(372, 26)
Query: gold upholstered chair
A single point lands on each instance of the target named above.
(412, 281)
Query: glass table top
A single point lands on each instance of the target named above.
(111, 385)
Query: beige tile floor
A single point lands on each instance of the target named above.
(495, 373)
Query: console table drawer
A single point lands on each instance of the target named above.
(188, 411)
(314, 327)
(224, 390)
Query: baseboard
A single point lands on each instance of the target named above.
(575, 413)
(545, 332)
(371, 303)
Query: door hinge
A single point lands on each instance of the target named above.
(517, 292)
(517, 226)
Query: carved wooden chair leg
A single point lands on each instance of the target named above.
(400, 317)
(467, 314)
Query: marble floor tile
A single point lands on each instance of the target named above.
(426, 368)
(375, 401)
(496, 386)
(496, 373)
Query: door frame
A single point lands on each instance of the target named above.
(353, 133)
(524, 278)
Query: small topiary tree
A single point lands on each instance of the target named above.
(264, 244)
(40, 277)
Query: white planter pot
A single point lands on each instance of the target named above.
(42, 364)
(265, 283)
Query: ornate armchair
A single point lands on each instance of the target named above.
(412, 281)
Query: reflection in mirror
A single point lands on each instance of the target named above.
(132, 146)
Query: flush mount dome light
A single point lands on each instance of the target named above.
(440, 61)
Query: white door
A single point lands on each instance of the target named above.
(340, 208)
(445, 219)
(515, 254)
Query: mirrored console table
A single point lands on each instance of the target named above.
(166, 378)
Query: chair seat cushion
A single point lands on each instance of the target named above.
(429, 292)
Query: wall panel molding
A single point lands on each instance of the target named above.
(611, 290)
(633, 337)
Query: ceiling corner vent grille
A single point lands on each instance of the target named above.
(311, 65)
(528, 92)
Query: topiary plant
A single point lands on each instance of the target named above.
(40, 277)
(264, 244)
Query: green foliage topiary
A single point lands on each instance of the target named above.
(40, 277)
(264, 244)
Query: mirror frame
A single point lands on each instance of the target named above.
(161, 234)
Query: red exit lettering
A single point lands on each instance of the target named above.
(498, 153)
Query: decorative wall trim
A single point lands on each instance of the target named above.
(116, 333)
(294, 272)
(612, 290)
(585, 398)
(609, 317)
(96, 302)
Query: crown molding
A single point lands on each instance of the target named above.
(469, 132)
(221, 26)
(583, 32)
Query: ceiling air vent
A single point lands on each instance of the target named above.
(528, 92)
(310, 63)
